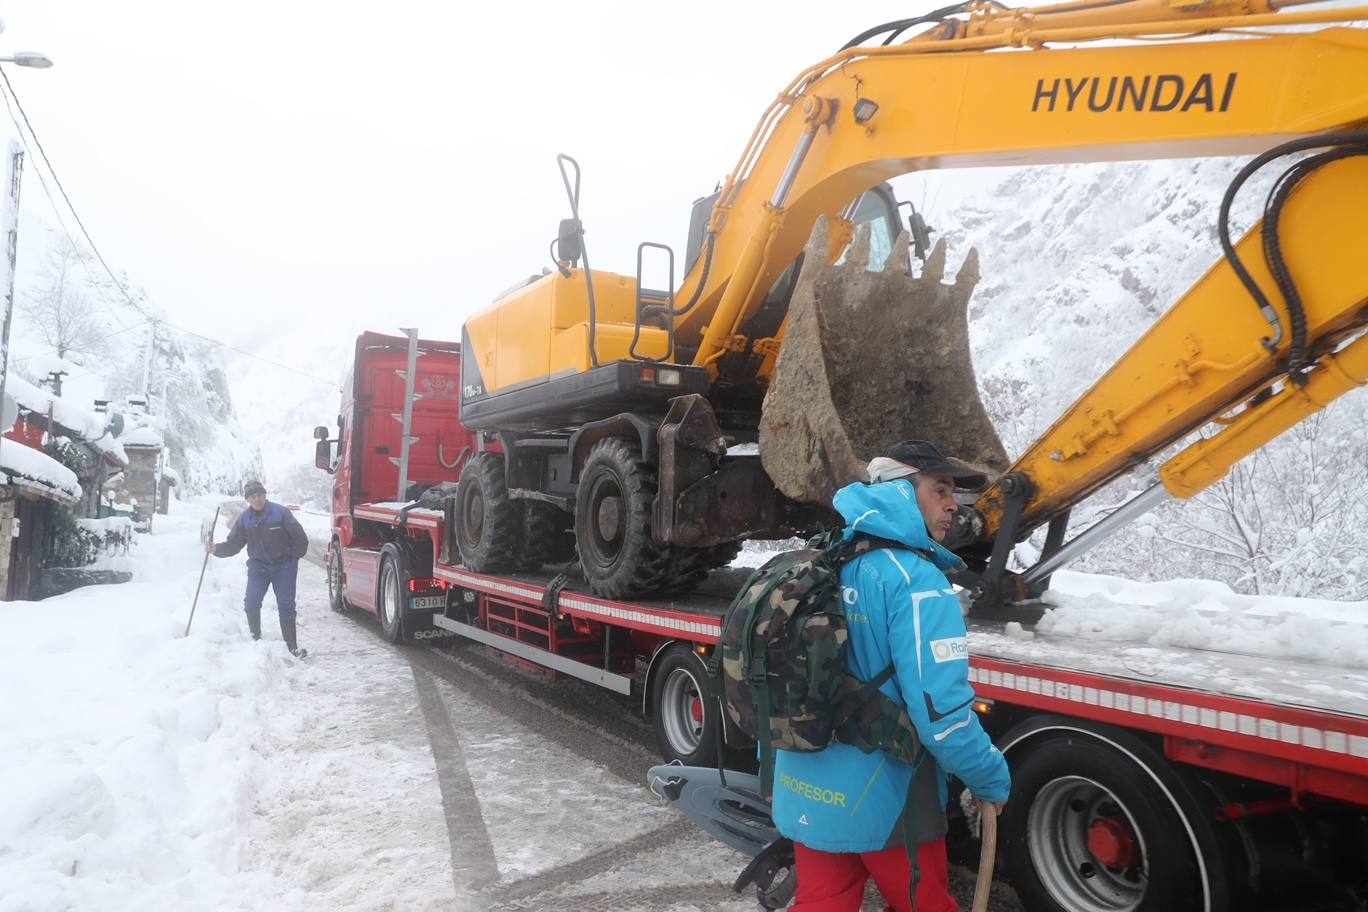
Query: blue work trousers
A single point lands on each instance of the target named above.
(277, 575)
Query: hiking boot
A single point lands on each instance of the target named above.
(287, 632)
(254, 625)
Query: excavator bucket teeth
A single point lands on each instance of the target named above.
(867, 359)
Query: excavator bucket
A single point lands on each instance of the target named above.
(870, 358)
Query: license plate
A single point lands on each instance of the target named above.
(427, 601)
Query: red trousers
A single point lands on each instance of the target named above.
(835, 881)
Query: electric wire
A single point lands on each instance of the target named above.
(9, 94)
(56, 210)
(58, 181)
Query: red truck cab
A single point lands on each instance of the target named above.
(365, 452)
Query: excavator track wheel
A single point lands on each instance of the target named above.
(547, 535)
(488, 521)
(613, 504)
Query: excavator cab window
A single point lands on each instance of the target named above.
(879, 209)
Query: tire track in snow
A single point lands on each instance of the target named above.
(473, 866)
(593, 864)
(586, 721)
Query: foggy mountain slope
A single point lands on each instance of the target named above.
(280, 408)
(70, 316)
(1078, 261)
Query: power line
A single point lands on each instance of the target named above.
(293, 370)
(96, 250)
(58, 181)
(56, 210)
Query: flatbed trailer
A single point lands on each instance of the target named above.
(1251, 771)
(1143, 778)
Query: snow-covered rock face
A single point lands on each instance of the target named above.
(100, 346)
(1078, 261)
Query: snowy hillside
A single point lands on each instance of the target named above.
(70, 317)
(1078, 261)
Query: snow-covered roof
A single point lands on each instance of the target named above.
(84, 424)
(21, 462)
(144, 436)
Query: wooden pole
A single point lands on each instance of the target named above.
(212, 527)
(987, 855)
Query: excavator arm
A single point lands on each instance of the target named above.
(867, 115)
(1236, 354)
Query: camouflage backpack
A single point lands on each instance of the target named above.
(780, 668)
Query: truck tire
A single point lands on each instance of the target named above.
(393, 588)
(488, 521)
(337, 596)
(613, 522)
(685, 719)
(1098, 822)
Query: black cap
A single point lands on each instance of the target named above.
(921, 456)
(253, 487)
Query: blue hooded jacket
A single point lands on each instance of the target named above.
(900, 609)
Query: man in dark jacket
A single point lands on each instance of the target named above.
(275, 542)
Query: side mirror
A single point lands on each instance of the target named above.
(570, 241)
(323, 456)
(921, 234)
(320, 433)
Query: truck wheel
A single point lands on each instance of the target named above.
(613, 522)
(487, 520)
(393, 589)
(337, 598)
(1092, 826)
(685, 719)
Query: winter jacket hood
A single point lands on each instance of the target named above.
(900, 610)
(889, 510)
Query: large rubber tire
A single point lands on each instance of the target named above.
(488, 521)
(686, 721)
(613, 507)
(691, 566)
(1068, 785)
(337, 595)
(548, 535)
(392, 591)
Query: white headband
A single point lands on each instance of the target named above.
(881, 468)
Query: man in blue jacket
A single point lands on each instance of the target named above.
(275, 542)
(843, 808)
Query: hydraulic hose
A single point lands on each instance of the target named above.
(1358, 140)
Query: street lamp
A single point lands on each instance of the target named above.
(28, 59)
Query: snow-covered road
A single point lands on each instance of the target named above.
(144, 770)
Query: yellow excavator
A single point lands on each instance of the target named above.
(654, 430)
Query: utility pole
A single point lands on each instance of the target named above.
(147, 363)
(14, 156)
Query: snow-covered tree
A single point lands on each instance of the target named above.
(59, 310)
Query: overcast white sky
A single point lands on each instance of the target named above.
(263, 168)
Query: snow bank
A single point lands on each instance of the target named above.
(25, 461)
(1202, 614)
(129, 758)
